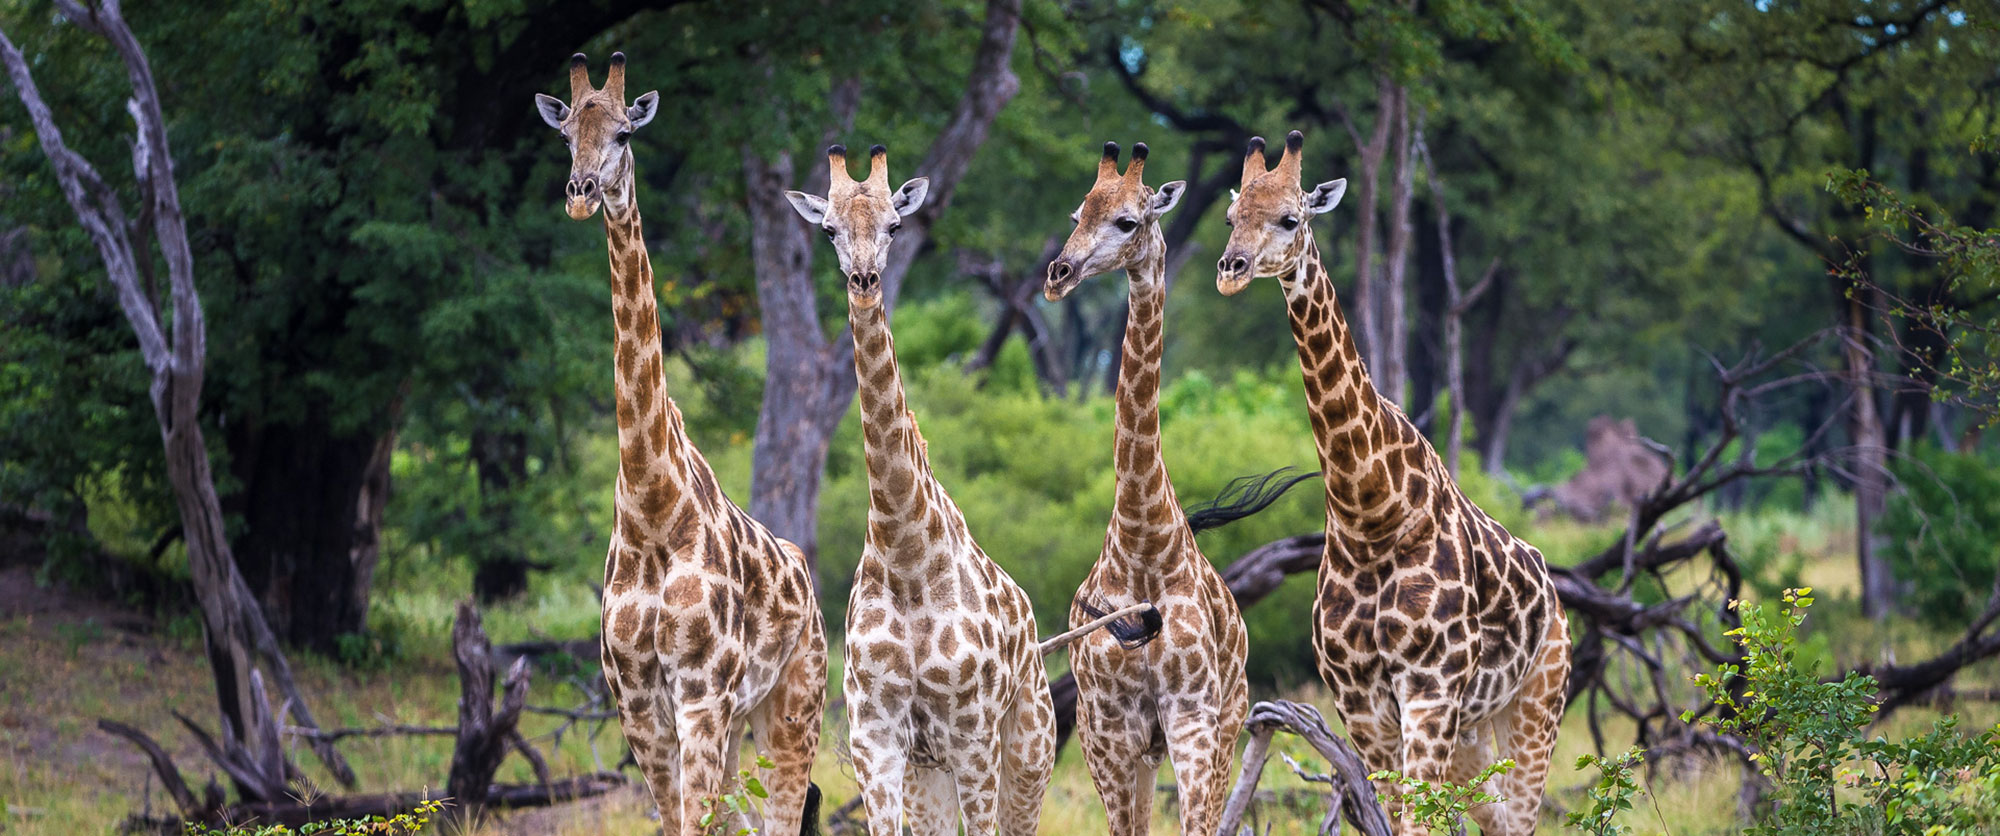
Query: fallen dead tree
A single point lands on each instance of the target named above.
(487, 731)
(1352, 795)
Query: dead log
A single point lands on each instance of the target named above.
(485, 732)
(163, 765)
(1353, 797)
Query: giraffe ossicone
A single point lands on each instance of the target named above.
(949, 714)
(710, 623)
(1438, 631)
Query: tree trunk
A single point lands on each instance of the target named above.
(809, 377)
(311, 503)
(1870, 459)
(1391, 364)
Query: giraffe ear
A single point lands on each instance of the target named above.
(811, 207)
(1325, 196)
(910, 197)
(552, 109)
(1167, 197)
(644, 108)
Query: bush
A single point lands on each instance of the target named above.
(1943, 530)
(415, 821)
(1807, 740)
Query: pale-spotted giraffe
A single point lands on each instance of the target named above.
(1182, 698)
(948, 703)
(709, 620)
(1437, 630)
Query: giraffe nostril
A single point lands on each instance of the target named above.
(1233, 264)
(1062, 271)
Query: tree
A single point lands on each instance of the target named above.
(235, 635)
(809, 374)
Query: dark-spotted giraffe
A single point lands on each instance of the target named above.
(1183, 697)
(709, 620)
(948, 703)
(1437, 630)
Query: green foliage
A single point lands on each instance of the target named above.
(1968, 263)
(1807, 740)
(1440, 807)
(1943, 532)
(746, 794)
(1611, 795)
(416, 821)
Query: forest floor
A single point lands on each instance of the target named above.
(68, 658)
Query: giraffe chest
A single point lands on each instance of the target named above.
(684, 628)
(939, 661)
(1457, 613)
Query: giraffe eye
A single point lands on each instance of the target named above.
(829, 233)
(624, 137)
(895, 225)
(1228, 221)
(1290, 221)
(1127, 224)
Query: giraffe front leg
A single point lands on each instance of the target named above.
(975, 769)
(930, 802)
(1525, 730)
(1114, 733)
(1201, 767)
(707, 735)
(1372, 724)
(881, 766)
(1028, 755)
(1430, 734)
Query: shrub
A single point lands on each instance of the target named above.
(1943, 532)
(1441, 807)
(415, 821)
(1807, 739)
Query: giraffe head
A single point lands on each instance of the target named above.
(598, 127)
(861, 217)
(1114, 226)
(1269, 218)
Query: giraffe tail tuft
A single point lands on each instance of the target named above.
(809, 816)
(1132, 632)
(1243, 497)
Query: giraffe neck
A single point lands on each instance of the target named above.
(1145, 518)
(656, 461)
(900, 487)
(1364, 440)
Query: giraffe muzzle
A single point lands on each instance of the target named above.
(865, 286)
(581, 197)
(1062, 279)
(1232, 273)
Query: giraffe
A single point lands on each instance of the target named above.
(1183, 698)
(709, 620)
(948, 702)
(1438, 632)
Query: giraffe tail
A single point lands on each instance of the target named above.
(1243, 497)
(1132, 631)
(809, 816)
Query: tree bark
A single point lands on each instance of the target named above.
(312, 506)
(1870, 464)
(234, 633)
(809, 376)
(1391, 366)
